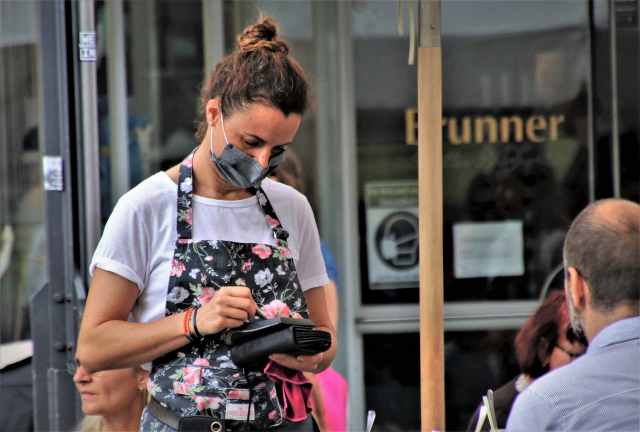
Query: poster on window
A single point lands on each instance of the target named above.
(392, 234)
(488, 249)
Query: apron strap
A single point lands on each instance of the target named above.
(279, 233)
(184, 221)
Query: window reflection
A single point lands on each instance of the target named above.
(515, 142)
(515, 139)
(475, 362)
(164, 70)
(23, 263)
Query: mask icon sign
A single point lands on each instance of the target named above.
(397, 240)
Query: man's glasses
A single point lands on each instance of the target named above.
(572, 355)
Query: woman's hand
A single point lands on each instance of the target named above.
(230, 307)
(302, 363)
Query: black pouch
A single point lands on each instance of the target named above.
(200, 424)
(252, 343)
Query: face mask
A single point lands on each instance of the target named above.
(238, 168)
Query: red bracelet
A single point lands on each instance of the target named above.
(185, 323)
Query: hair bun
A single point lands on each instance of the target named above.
(262, 35)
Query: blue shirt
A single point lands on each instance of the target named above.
(329, 262)
(599, 391)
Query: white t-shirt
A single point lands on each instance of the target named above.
(139, 238)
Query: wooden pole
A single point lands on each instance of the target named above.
(431, 218)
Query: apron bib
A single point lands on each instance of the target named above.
(200, 378)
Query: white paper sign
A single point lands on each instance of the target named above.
(488, 249)
(52, 174)
(87, 46)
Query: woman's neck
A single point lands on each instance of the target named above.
(123, 420)
(116, 425)
(207, 180)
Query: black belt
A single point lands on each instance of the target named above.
(207, 423)
(192, 423)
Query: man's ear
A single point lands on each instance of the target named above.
(577, 288)
(212, 111)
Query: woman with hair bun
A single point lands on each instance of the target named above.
(206, 246)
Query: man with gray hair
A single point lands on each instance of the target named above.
(599, 391)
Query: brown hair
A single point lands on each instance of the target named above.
(603, 244)
(260, 69)
(539, 334)
(290, 171)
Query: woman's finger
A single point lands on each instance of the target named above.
(302, 363)
(241, 303)
(236, 291)
(232, 323)
(234, 313)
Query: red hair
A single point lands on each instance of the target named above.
(539, 335)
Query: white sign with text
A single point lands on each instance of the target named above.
(488, 249)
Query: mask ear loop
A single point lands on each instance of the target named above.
(211, 140)
(226, 141)
(224, 133)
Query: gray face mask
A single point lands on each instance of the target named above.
(238, 168)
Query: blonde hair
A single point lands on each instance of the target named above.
(91, 424)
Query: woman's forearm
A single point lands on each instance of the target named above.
(119, 344)
(329, 355)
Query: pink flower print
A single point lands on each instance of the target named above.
(203, 402)
(284, 252)
(246, 266)
(276, 308)
(190, 217)
(273, 414)
(188, 162)
(207, 295)
(272, 222)
(180, 388)
(208, 258)
(263, 251)
(191, 376)
(296, 315)
(177, 268)
(201, 362)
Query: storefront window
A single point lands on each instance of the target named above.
(515, 142)
(23, 263)
(515, 135)
(475, 362)
(385, 88)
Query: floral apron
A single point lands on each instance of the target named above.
(200, 378)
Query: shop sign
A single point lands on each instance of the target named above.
(392, 234)
(490, 129)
